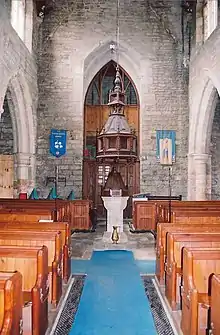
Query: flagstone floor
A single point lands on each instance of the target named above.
(142, 244)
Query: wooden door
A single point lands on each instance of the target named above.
(6, 176)
(95, 176)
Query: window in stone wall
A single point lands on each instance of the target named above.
(98, 93)
(210, 17)
(22, 20)
(18, 17)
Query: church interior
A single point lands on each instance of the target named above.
(109, 161)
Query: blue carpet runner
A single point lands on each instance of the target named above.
(113, 300)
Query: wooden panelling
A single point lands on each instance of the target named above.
(6, 176)
(215, 305)
(144, 215)
(96, 116)
(80, 215)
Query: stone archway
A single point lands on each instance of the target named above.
(19, 81)
(96, 113)
(21, 109)
(101, 56)
(204, 81)
(20, 104)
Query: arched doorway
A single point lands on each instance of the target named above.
(96, 112)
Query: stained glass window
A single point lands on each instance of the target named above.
(98, 93)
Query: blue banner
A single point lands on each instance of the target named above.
(58, 142)
(166, 146)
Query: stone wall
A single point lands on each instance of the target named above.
(215, 153)
(7, 5)
(75, 45)
(6, 131)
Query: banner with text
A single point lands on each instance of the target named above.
(58, 142)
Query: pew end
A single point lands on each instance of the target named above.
(10, 303)
(199, 264)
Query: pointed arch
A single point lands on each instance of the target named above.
(22, 114)
(101, 55)
(201, 119)
(203, 88)
(96, 113)
(108, 71)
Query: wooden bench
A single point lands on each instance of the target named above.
(198, 266)
(63, 227)
(9, 216)
(144, 215)
(32, 263)
(184, 206)
(75, 212)
(52, 240)
(163, 229)
(175, 244)
(10, 303)
(190, 217)
(214, 325)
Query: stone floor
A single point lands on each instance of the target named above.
(142, 244)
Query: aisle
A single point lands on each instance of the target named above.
(113, 301)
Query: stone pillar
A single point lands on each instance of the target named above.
(25, 172)
(200, 165)
(191, 178)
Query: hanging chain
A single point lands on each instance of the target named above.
(117, 33)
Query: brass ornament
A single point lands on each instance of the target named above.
(115, 235)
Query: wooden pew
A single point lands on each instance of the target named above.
(7, 216)
(181, 205)
(163, 229)
(144, 215)
(191, 217)
(10, 303)
(76, 212)
(214, 325)
(198, 266)
(63, 227)
(35, 285)
(175, 244)
(52, 240)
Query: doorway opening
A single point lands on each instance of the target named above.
(96, 113)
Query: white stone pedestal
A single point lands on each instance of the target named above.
(115, 207)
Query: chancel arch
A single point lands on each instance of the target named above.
(96, 113)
